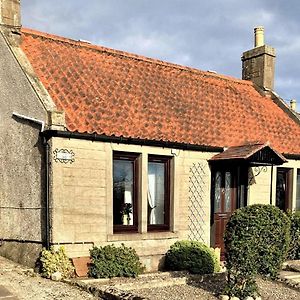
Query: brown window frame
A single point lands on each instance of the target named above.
(167, 187)
(134, 157)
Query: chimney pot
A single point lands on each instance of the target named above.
(293, 104)
(259, 36)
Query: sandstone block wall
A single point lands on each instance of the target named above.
(81, 204)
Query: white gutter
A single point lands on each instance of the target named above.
(42, 123)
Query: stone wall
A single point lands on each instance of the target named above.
(260, 182)
(81, 206)
(82, 199)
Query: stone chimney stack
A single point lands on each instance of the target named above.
(259, 62)
(10, 19)
(10, 15)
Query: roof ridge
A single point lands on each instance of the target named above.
(134, 56)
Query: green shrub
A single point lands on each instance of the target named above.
(192, 256)
(111, 261)
(294, 248)
(256, 242)
(56, 260)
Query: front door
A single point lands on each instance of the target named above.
(229, 192)
(224, 201)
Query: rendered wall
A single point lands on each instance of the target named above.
(21, 157)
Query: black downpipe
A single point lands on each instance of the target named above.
(47, 193)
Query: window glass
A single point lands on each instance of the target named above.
(228, 191)
(281, 188)
(124, 203)
(218, 181)
(158, 192)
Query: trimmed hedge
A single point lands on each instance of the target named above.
(256, 242)
(110, 261)
(192, 256)
(294, 249)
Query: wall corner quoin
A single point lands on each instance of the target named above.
(56, 120)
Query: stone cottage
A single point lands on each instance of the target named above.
(100, 146)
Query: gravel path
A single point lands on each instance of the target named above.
(277, 291)
(205, 290)
(210, 288)
(27, 285)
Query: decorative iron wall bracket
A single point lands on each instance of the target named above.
(256, 170)
(259, 169)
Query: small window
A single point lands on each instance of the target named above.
(158, 192)
(125, 190)
(283, 188)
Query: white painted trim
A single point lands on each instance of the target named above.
(42, 123)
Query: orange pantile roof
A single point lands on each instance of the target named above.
(114, 93)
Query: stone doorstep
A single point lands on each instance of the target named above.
(292, 279)
(291, 264)
(291, 273)
(292, 276)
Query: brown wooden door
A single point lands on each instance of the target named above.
(224, 203)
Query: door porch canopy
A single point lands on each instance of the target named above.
(255, 154)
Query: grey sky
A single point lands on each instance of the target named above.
(208, 35)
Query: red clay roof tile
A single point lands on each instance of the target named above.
(111, 92)
(246, 151)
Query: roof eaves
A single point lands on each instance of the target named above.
(291, 156)
(128, 140)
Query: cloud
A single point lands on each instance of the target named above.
(203, 34)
